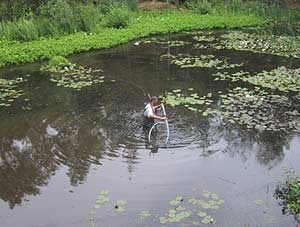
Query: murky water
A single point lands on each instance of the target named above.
(62, 147)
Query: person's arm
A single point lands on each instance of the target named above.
(155, 107)
(154, 116)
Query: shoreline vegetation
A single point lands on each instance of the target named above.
(41, 29)
(144, 24)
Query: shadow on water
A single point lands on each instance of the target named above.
(79, 130)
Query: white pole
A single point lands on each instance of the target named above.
(166, 122)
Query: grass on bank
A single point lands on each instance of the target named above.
(143, 24)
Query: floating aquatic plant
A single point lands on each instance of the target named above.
(170, 43)
(69, 75)
(259, 202)
(193, 207)
(204, 38)
(144, 214)
(120, 205)
(240, 75)
(257, 109)
(101, 199)
(9, 91)
(277, 45)
(281, 78)
(202, 61)
(192, 101)
(175, 216)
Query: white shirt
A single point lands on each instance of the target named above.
(148, 110)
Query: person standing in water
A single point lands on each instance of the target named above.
(150, 112)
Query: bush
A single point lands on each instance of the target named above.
(13, 10)
(199, 6)
(60, 12)
(22, 29)
(87, 17)
(106, 5)
(118, 16)
(58, 61)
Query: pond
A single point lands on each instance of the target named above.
(79, 157)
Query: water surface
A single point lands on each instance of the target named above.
(60, 149)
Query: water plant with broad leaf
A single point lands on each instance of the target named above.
(10, 91)
(190, 101)
(288, 46)
(288, 192)
(260, 110)
(70, 75)
(202, 61)
(281, 78)
(200, 209)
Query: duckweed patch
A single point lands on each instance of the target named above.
(144, 214)
(120, 205)
(240, 75)
(9, 91)
(170, 43)
(204, 38)
(202, 61)
(259, 202)
(101, 200)
(281, 78)
(70, 75)
(190, 101)
(257, 109)
(288, 46)
(201, 208)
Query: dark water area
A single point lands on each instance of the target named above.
(62, 147)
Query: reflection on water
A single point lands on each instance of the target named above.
(81, 129)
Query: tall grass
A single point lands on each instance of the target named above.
(58, 18)
(118, 15)
(281, 18)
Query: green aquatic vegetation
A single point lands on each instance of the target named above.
(120, 205)
(240, 75)
(288, 46)
(288, 192)
(281, 78)
(202, 214)
(202, 61)
(192, 101)
(259, 202)
(70, 75)
(196, 223)
(58, 61)
(101, 199)
(182, 209)
(142, 25)
(9, 91)
(207, 219)
(170, 43)
(177, 43)
(257, 109)
(203, 38)
(144, 214)
(175, 216)
(176, 201)
(176, 98)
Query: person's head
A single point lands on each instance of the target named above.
(154, 100)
